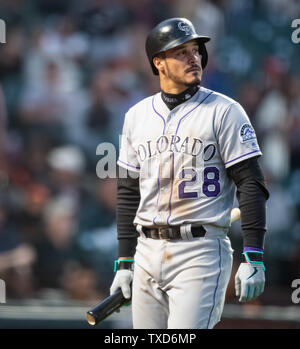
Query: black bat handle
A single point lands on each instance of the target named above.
(106, 307)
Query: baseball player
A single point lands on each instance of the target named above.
(186, 152)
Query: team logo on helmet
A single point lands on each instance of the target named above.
(185, 28)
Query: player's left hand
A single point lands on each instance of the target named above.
(249, 281)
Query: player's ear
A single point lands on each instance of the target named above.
(158, 62)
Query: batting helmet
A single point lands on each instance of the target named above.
(171, 33)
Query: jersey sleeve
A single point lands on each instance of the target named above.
(127, 156)
(236, 136)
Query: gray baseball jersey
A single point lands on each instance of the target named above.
(182, 156)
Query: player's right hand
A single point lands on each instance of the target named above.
(123, 280)
(249, 281)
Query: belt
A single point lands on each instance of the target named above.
(171, 233)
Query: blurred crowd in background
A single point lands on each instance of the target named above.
(69, 71)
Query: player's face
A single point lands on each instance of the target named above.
(181, 67)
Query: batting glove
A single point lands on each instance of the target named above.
(123, 278)
(249, 281)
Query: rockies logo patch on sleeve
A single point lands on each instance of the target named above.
(247, 133)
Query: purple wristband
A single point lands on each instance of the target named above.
(253, 249)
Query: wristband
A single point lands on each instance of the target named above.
(123, 264)
(254, 255)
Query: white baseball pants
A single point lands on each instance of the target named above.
(180, 284)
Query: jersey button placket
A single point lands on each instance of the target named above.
(163, 190)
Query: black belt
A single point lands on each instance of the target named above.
(171, 233)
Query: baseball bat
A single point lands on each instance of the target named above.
(105, 308)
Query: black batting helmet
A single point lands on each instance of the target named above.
(171, 33)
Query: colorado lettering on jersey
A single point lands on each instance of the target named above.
(174, 143)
